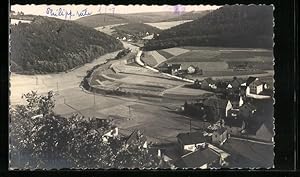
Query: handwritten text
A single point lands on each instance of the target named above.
(67, 14)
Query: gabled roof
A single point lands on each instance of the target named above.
(192, 138)
(164, 65)
(248, 106)
(233, 122)
(198, 158)
(251, 79)
(239, 80)
(176, 66)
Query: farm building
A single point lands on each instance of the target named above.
(247, 110)
(190, 141)
(149, 37)
(219, 136)
(235, 83)
(259, 131)
(234, 126)
(254, 86)
(208, 83)
(175, 68)
(170, 68)
(202, 158)
(191, 69)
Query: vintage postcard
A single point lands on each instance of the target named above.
(138, 86)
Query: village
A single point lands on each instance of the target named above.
(141, 95)
(239, 110)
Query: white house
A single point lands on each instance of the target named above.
(190, 141)
(254, 86)
(110, 134)
(191, 69)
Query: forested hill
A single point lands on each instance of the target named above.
(228, 26)
(51, 45)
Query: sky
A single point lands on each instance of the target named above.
(54, 10)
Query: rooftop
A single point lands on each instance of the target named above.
(198, 158)
(192, 138)
(233, 122)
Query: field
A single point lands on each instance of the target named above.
(216, 61)
(167, 25)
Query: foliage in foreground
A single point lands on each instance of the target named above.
(52, 141)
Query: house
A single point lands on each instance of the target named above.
(223, 155)
(235, 83)
(136, 138)
(264, 133)
(218, 107)
(165, 68)
(113, 132)
(175, 68)
(234, 126)
(149, 37)
(219, 136)
(190, 141)
(124, 38)
(191, 69)
(247, 110)
(260, 131)
(202, 158)
(208, 83)
(254, 86)
(236, 101)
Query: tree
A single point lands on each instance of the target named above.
(52, 141)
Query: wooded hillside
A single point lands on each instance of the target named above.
(51, 45)
(228, 26)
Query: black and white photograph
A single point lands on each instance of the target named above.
(141, 87)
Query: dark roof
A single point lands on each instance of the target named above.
(248, 106)
(233, 122)
(239, 80)
(198, 158)
(175, 66)
(164, 65)
(250, 80)
(192, 138)
(254, 127)
(135, 136)
(215, 102)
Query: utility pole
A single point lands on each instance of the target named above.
(36, 80)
